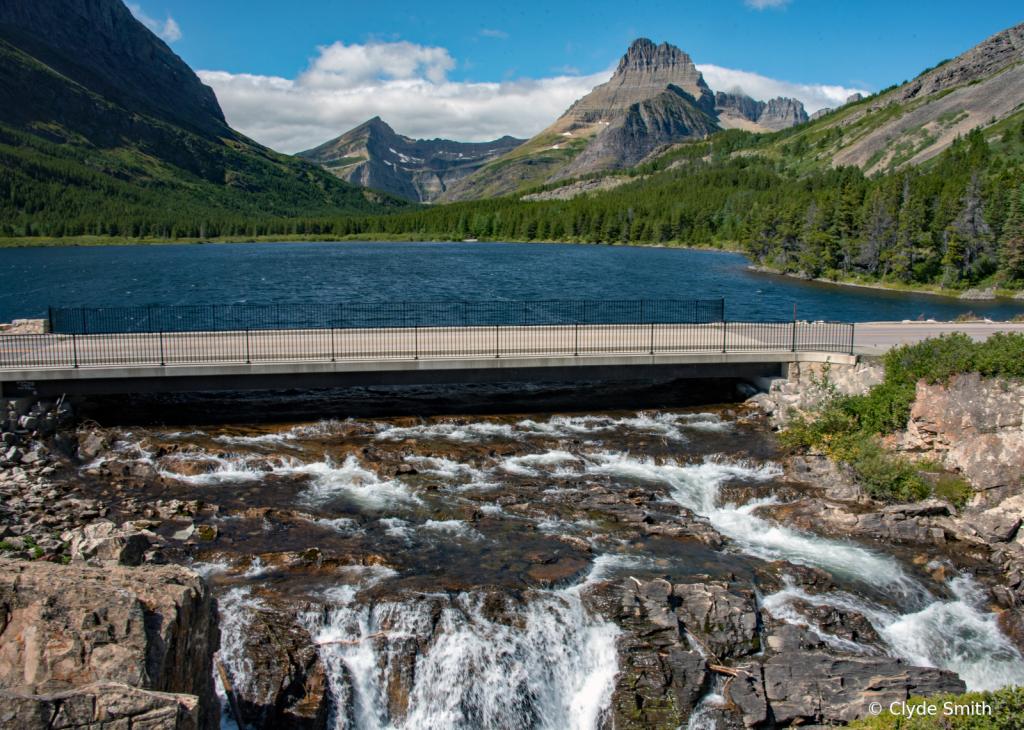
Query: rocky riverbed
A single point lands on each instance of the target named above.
(602, 569)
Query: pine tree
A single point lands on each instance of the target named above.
(956, 253)
(1011, 245)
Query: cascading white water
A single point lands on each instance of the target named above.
(552, 668)
(956, 635)
(235, 609)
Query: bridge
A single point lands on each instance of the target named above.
(317, 346)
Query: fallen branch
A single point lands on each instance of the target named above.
(230, 692)
(726, 670)
(350, 643)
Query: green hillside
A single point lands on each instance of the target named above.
(91, 142)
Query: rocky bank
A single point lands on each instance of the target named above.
(970, 426)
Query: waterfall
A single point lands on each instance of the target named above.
(479, 661)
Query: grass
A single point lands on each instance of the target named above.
(1007, 713)
(846, 428)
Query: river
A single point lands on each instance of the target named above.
(447, 563)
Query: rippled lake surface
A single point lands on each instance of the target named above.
(31, 279)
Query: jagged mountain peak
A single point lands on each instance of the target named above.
(645, 71)
(644, 56)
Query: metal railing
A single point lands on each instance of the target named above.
(379, 315)
(335, 344)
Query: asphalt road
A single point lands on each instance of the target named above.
(875, 338)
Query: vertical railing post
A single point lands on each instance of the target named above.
(853, 336)
(333, 356)
(163, 360)
(725, 333)
(248, 358)
(652, 338)
(497, 344)
(85, 327)
(74, 348)
(794, 328)
(576, 341)
(416, 342)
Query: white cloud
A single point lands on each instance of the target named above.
(493, 33)
(169, 30)
(404, 83)
(814, 96)
(762, 4)
(407, 85)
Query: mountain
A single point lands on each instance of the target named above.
(94, 108)
(420, 170)
(914, 122)
(665, 119)
(645, 71)
(656, 97)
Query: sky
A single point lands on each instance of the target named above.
(294, 75)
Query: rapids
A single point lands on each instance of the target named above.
(453, 557)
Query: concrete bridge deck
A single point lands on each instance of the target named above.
(48, 365)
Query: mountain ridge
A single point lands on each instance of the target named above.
(373, 155)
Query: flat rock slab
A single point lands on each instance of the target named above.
(100, 705)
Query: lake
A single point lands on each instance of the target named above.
(31, 279)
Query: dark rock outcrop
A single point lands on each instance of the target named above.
(804, 687)
(988, 57)
(67, 627)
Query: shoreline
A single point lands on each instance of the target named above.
(80, 241)
(758, 269)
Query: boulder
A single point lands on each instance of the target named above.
(724, 622)
(100, 705)
(978, 294)
(92, 446)
(104, 544)
(69, 626)
(804, 687)
(1000, 523)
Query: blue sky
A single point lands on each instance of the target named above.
(463, 45)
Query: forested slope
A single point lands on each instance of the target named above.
(103, 128)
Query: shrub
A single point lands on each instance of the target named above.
(886, 476)
(953, 489)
